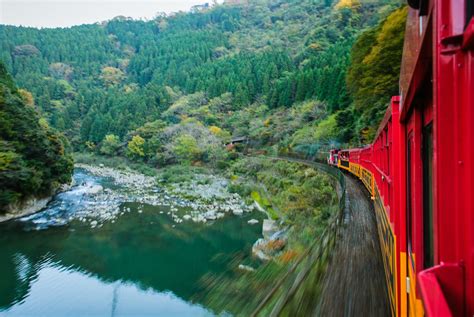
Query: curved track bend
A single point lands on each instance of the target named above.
(354, 283)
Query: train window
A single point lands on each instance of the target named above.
(421, 5)
(469, 10)
(409, 195)
(428, 243)
(387, 155)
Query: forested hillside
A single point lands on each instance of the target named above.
(374, 72)
(177, 87)
(33, 162)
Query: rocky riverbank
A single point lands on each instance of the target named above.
(274, 240)
(101, 194)
(31, 206)
(200, 199)
(204, 198)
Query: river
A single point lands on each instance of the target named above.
(110, 255)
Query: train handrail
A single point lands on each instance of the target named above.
(384, 176)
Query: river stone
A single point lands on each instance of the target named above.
(246, 268)
(210, 215)
(269, 228)
(186, 217)
(252, 221)
(199, 218)
(257, 250)
(94, 189)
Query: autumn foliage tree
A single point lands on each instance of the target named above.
(135, 147)
(112, 76)
(110, 144)
(186, 148)
(374, 72)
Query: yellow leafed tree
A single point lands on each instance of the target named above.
(111, 75)
(135, 146)
(348, 4)
(27, 97)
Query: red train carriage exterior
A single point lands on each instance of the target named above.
(333, 157)
(420, 168)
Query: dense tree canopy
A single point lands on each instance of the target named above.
(33, 161)
(239, 68)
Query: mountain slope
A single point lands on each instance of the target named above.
(112, 78)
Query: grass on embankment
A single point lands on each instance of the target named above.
(303, 198)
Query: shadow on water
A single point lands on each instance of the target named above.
(145, 251)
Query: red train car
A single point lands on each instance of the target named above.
(420, 168)
(333, 157)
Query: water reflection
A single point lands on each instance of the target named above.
(143, 264)
(90, 296)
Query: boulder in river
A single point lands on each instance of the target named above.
(269, 228)
(253, 221)
(266, 248)
(258, 250)
(210, 215)
(246, 268)
(237, 211)
(93, 189)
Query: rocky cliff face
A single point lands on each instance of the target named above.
(30, 206)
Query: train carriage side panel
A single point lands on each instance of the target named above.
(398, 202)
(382, 168)
(416, 91)
(452, 279)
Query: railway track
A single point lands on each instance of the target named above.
(354, 284)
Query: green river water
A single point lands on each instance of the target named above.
(140, 264)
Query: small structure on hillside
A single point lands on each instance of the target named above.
(236, 2)
(200, 7)
(236, 140)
